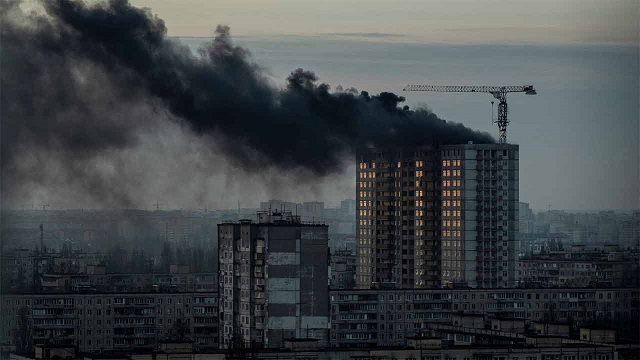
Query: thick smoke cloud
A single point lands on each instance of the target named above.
(82, 82)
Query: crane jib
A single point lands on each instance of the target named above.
(499, 92)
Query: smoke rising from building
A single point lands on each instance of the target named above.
(84, 86)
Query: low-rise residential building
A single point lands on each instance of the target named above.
(343, 270)
(111, 321)
(580, 269)
(388, 317)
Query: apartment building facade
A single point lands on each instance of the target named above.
(443, 216)
(398, 213)
(273, 280)
(389, 317)
(343, 270)
(112, 321)
(547, 271)
(480, 219)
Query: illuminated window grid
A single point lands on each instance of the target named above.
(451, 221)
(365, 205)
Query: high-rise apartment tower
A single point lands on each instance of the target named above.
(479, 217)
(438, 216)
(398, 213)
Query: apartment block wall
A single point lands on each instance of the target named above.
(273, 281)
(433, 217)
(540, 272)
(113, 321)
(398, 218)
(480, 219)
(388, 317)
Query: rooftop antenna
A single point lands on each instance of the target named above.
(158, 204)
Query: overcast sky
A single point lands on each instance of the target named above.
(549, 128)
(579, 136)
(538, 21)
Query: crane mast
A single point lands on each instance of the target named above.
(498, 92)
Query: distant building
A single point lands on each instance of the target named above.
(273, 280)
(629, 232)
(313, 211)
(579, 268)
(525, 218)
(607, 228)
(343, 270)
(281, 206)
(307, 211)
(348, 206)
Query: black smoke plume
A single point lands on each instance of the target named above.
(81, 81)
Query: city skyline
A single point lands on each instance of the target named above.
(319, 180)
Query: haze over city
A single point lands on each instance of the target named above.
(582, 56)
(319, 180)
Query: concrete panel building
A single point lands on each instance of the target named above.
(398, 212)
(480, 219)
(381, 317)
(111, 321)
(273, 280)
(431, 216)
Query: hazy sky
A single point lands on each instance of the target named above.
(579, 137)
(581, 91)
(537, 21)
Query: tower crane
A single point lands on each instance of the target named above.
(498, 92)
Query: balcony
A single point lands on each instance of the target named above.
(132, 305)
(55, 326)
(50, 306)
